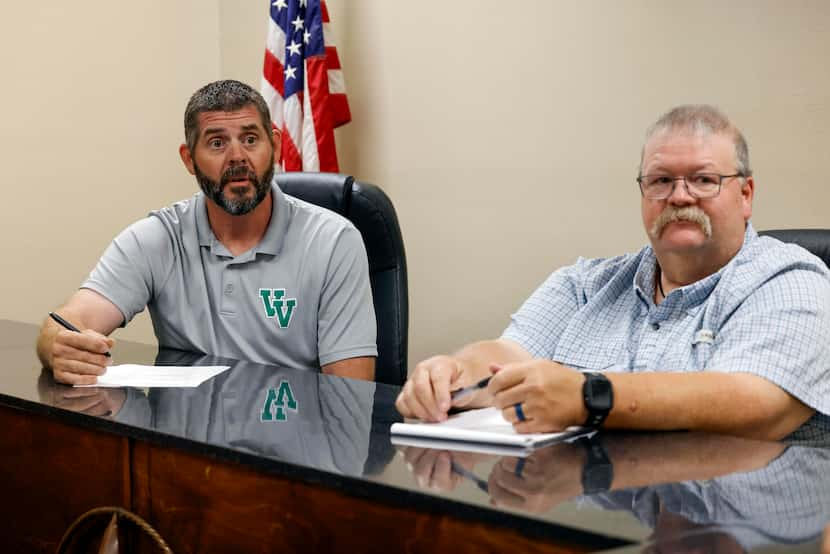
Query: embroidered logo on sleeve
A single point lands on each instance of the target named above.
(277, 306)
(704, 336)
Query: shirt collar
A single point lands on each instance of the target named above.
(271, 242)
(203, 230)
(693, 293)
(274, 237)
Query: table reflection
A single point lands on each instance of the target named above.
(696, 492)
(95, 401)
(295, 416)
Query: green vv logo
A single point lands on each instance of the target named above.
(282, 398)
(276, 305)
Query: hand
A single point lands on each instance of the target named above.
(539, 482)
(433, 469)
(426, 394)
(550, 395)
(78, 358)
(102, 402)
(825, 540)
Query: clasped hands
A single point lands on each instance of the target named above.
(550, 394)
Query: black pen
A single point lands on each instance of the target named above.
(66, 325)
(459, 393)
(480, 483)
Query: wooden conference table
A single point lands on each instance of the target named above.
(235, 466)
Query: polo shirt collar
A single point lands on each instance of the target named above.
(271, 242)
(274, 237)
(203, 230)
(691, 294)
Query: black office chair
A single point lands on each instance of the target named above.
(371, 211)
(817, 241)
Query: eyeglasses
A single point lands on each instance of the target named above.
(699, 185)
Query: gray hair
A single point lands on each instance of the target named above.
(221, 96)
(702, 119)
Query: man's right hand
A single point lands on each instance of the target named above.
(426, 394)
(79, 358)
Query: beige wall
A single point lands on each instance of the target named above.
(507, 141)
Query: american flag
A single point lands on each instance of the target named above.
(303, 84)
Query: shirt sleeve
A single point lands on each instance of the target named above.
(544, 316)
(780, 332)
(132, 267)
(346, 326)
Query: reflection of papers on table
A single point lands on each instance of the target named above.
(483, 430)
(145, 376)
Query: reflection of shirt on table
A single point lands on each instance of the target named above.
(788, 501)
(766, 312)
(329, 430)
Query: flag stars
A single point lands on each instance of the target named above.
(306, 37)
(294, 48)
(298, 23)
(290, 72)
(303, 3)
(279, 4)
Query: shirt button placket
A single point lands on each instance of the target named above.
(229, 290)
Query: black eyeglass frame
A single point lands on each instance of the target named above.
(685, 178)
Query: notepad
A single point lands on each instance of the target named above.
(145, 376)
(482, 430)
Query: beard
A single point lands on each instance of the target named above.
(236, 203)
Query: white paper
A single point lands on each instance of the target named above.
(483, 426)
(145, 376)
(478, 448)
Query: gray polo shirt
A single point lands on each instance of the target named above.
(300, 298)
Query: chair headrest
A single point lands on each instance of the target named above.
(817, 241)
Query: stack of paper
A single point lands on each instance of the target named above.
(475, 430)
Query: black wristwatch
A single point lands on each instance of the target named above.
(598, 396)
(598, 471)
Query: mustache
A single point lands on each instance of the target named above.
(237, 171)
(692, 214)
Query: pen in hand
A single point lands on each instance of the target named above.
(66, 325)
(464, 391)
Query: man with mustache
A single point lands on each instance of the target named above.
(240, 270)
(710, 327)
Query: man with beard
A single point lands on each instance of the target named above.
(240, 270)
(710, 327)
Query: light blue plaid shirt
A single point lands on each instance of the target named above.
(767, 312)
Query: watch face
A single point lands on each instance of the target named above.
(600, 395)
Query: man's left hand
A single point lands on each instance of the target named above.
(550, 395)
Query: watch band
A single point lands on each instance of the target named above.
(598, 471)
(598, 396)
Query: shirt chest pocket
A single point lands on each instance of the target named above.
(610, 356)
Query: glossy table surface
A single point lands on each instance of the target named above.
(669, 491)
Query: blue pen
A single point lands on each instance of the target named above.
(66, 325)
(462, 392)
